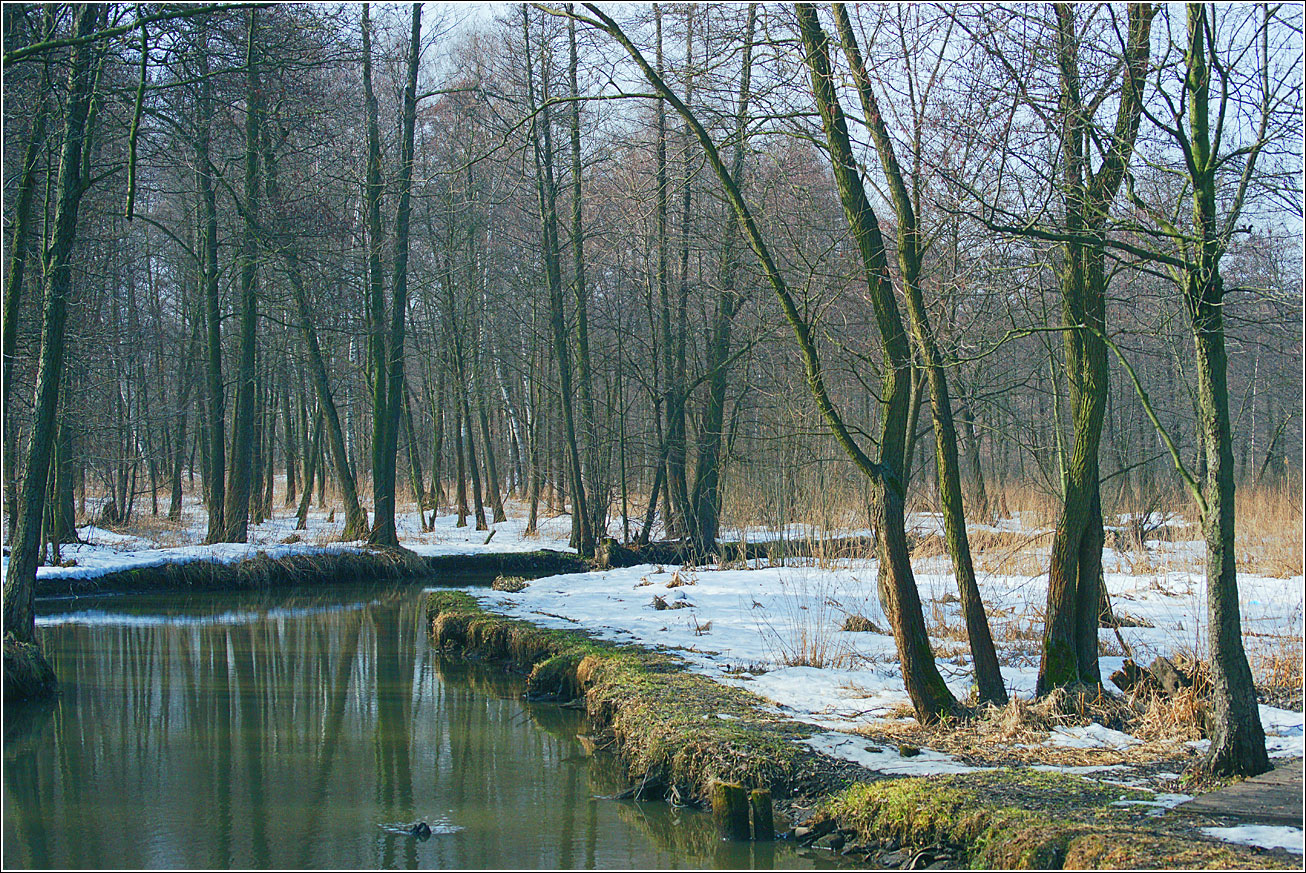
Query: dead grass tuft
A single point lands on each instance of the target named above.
(509, 584)
(1018, 733)
(805, 633)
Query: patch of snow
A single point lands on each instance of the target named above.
(1264, 836)
(1283, 732)
(1160, 801)
(885, 759)
(1092, 736)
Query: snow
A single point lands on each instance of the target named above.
(104, 551)
(1283, 732)
(1160, 802)
(1092, 736)
(1265, 836)
(750, 627)
(885, 759)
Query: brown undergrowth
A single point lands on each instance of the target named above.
(1017, 733)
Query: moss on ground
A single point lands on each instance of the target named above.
(1027, 819)
(675, 727)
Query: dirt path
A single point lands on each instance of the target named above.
(1271, 798)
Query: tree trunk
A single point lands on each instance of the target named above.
(239, 485)
(20, 578)
(389, 384)
(988, 676)
(310, 467)
(1238, 738)
(355, 517)
(542, 142)
(215, 468)
(1070, 639)
(414, 459)
(930, 696)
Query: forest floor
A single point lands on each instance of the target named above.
(779, 632)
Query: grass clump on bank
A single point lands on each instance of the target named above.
(1027, 819)
(677, 730)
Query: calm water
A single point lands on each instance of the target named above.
(281, 730)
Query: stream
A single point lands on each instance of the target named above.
(290, 728)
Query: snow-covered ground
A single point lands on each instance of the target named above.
(775, 629)
(746, 627)
(104, 551)
(1265, 836)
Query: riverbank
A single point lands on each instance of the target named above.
(681, 732)
(311, 566)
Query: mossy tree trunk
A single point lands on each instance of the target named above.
(988, 675)
(1070, 638)
(1238, 740)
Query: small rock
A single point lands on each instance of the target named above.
(834, 842)
(893, 859)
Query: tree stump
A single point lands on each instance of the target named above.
(763, 819)
(730, 810)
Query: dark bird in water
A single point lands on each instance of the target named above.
(419, 829)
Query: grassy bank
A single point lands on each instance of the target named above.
(313, 568)
(1021, 819)
(681, 730)
(677, 730)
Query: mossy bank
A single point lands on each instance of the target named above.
(319, 567)
(680, 732)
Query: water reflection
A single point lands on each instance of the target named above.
(281, 730)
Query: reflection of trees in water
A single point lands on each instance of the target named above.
(284, 742)
(392, 740)
(221, 740)
(24, 749)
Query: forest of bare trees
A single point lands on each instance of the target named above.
(676, 269)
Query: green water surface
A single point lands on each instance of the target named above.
(283, 729)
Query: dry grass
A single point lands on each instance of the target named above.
(998, 553)
(1269, 537)
(1276, 658)
(1017, 733)
(805, 633)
